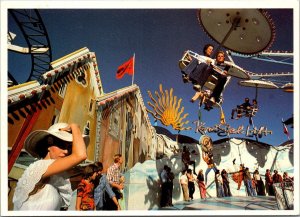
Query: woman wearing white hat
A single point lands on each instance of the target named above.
(43, 185)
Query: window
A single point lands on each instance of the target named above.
(114, 123)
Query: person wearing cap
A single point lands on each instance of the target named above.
(44, 185)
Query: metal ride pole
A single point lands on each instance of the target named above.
(235, 23)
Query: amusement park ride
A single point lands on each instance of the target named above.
(244, 33)
(35, 44)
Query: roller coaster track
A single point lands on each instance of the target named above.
(34, 32)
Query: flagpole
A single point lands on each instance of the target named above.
(133, 69)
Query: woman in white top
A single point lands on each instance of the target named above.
(43, 185)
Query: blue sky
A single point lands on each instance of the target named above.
(158, 38)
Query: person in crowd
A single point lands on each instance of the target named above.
(102, 186)
(238, 176)
(208, 158)
(164, 187)
(170, 178)
(254, 186)
(113, 176)
(277, 178)
(191, 183)
(201, 185)
(184, 185)
(225, 182)
(269, 183)
(85, 190)
(287, 178)
(259, 184)
(186, 159)
(248, 183)
(219, 184)
(43, 185)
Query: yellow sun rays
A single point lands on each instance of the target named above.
(167, 109)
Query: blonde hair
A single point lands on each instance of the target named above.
(220, 51)
(117, 158)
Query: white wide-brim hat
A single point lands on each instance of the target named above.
(32, 142)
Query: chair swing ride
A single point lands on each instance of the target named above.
(247, 32)
(244, 32)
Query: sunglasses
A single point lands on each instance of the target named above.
(65, 146)
(62, 144)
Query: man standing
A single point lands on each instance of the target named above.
(248, 183)
(269, 183)
(113, 177)
(164, 187)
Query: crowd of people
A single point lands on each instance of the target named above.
(45, 186)
(99, 191)
(253, 181)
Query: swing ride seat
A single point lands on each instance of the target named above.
(250, 112)
(186, 59)
(211, 82)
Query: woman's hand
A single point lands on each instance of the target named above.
(70, 127)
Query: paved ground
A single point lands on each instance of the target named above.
(227, 203)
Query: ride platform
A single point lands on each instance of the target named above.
(227, 203)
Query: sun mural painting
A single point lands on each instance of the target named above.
(167, 109)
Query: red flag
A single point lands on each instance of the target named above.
(127, 67)
(285, 130)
